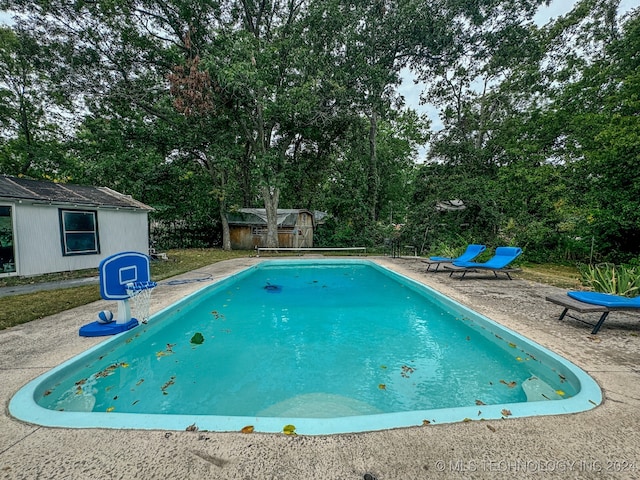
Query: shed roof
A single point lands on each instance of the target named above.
(37, 191)
(287, 217)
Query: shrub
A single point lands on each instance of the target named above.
(608, 278)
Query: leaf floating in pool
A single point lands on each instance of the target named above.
(46, 393)
(384, 367)
(560, 392)
(512, 345)
(111, 409)
(406, 371)
(289, 430)
(166, 351)
(197, 339)
(480, 402)
(171, 381)
(139, 382)
(192, 428)
(247, 429)
(510, 384)
(109, 370)
(124, 365)
(506, 412)
(382, 386)
(425, 422)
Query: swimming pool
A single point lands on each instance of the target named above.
(327, 346)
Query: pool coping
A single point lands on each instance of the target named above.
(406, 452)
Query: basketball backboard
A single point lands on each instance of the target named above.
(118, 270)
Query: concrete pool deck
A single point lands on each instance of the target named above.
(600, 443)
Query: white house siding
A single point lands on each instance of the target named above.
(123, 230)
(37, 238)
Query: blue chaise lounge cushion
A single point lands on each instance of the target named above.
(606, 299)
(471, 252)
(503, 257)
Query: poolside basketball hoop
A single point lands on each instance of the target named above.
(140, 295)
(124, 276)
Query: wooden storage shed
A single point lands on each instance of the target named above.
(248, 228)
(50, 227)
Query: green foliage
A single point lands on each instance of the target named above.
(449, 249)
(609, 278)
(195, 107)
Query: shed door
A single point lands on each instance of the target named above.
(306, 232)
(7, 245)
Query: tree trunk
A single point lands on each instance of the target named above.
(226, 234)
(373, 179)
(271, 196)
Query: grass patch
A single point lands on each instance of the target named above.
(183, 261)
(19, 309)
(562, 276)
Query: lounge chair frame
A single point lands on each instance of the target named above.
(583, 307)
(437, 263)
(465, 270)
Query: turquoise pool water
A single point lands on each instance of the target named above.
(326, 346)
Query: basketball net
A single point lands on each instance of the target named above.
(140, 296)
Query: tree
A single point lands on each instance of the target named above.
(31, 111)
(263, 69)
(600, 124)
(489, 43)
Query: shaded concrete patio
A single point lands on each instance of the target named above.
(600, 443)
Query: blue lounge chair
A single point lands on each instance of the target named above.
(469, 254)
(587, 302)
(498, 263)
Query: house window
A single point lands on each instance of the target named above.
(7, 247)
(79, 230)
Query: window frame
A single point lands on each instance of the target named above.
(66, 234)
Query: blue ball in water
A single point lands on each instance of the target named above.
(105, 316)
